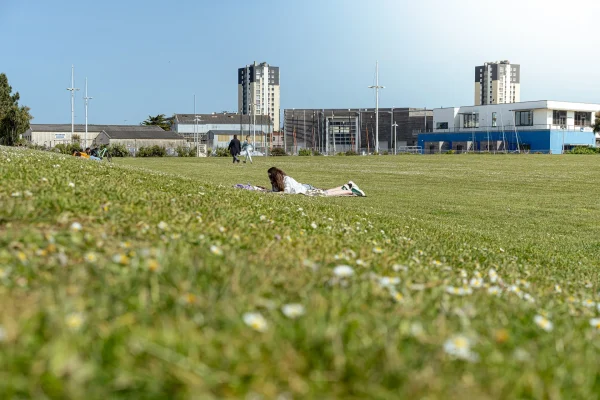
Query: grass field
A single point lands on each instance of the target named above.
(470, 276)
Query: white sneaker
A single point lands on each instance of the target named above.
(356, 190)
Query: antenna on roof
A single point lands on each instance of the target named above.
(72, 89)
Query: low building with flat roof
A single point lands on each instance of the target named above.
(543, 126)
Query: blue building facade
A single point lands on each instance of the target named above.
(535, 141)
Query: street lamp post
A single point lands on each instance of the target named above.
(395, 125)
(377, 87)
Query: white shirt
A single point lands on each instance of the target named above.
(291, 186)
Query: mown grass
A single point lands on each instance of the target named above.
(147, 299)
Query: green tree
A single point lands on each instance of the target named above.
(159, 120)
(597, 124)
(14, 119)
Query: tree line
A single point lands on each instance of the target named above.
(14, 118)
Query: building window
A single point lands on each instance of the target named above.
(559, 117)
(583, 118)
(471, 121)
(494, 119)
(441, 125)
(524, 118)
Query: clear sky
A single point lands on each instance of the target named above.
(150, 57)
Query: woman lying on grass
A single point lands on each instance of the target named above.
(286, 184)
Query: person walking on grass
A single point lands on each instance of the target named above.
(235, 148)
(247, 149)
(280, 182)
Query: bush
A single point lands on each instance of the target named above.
(341, 153)
(316, 153)
(118, 150)
(386, 153)
(151, 151)
(68, 148)
(221, 152)
(351, 153)
(450, 152)
(584, 150)
(305, 152)
(278, 151)
(185, 151)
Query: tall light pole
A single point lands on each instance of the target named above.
(377, 87)
(72, 89)
(87, 99)
(395, 125)
(197, 119)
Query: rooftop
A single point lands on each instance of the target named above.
(92, 128)
(125, 133)
(221, 118)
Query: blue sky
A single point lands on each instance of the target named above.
(150, 57)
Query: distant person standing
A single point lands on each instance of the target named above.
(247, 149)
(235, 148)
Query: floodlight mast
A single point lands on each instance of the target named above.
(377, 87)
(72, 89)
(86, 99)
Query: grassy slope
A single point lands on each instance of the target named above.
(123, 306)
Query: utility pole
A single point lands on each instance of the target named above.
(377, 87)
(86, 98)
(72, 89)
(395, 125)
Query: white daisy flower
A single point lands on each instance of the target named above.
(397, 296)
(476, 283)
(27, 193)
(493, 275)
(216, 250)
(313, 225)
(528, 297)
(557, 289)
(343, 271)
(45, 180)
(595, 323)
(300, 209)
(377, 250)
(71, 184)
(588, 303)
(543, 323)
(388, 281)
(15, 194)
(262, 217)
(459, 347)
(74, 321)
(255, 321)
(398, 268)
(293, 310)
(162, 225)
(463, 274)
(436, 263)
(494, 290)
(360, 262)
(310, 264)
(76, 226)
(459, 291)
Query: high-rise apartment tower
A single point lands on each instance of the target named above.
(497, 83)
(258, 91)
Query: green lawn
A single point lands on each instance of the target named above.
(473, 277)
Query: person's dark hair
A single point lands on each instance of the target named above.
(276, 177)
(235, 136)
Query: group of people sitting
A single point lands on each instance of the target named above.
(92, 154)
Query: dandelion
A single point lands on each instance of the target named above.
(493, 275)
(377, 250)
(71, 185)
(386, 281)
(163, 226)
(459, 291)
(74, 321)
(216, 250)
(343, 271)
(501, 336)
(256, 321)
(293, 311)
(476, 283)
(22, 256)
(153, 265)
(595, 323)
(313, 225)
(494, 290)
(90, 257)
(459, 347)
(543, 323)
(557, 289)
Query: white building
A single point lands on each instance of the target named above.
(539, 126)
(217, 129)
(497, 83)
(259, 92)
(49, 135)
